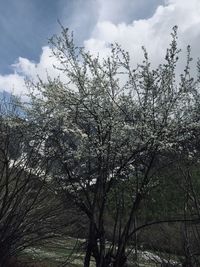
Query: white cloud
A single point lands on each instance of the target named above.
(26, 69)
(153, 33)
(44, 68)
(124, 11)
(12, 83)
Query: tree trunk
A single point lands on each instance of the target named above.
(87, 255)
(120, 261)
(92, 246)
(90, 241)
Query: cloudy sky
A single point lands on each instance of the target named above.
(26, 25)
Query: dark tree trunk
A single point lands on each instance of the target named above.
(92, 247)
(87, 255)
(120, 261)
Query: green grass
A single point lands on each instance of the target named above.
(58, 251)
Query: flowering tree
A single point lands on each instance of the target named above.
(108, 132)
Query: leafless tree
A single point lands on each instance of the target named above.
(28, 212)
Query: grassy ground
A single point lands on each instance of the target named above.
(55, 253)
(69, 252)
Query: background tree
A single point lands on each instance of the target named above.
(25, 216)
